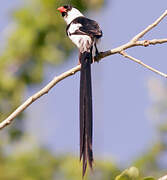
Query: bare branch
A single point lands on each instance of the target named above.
(42, 92)
(150, 42)
(119, 50)
(129, 45)
(141, 34)
(141, 63)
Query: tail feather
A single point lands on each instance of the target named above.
(86, 117)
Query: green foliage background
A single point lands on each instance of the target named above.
(35, 39)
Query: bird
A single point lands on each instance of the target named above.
(85, 34)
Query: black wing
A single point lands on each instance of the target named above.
(89, 27)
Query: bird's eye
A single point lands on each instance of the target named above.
(64, 14)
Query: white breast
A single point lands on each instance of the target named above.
(83, 42)
(73, 27)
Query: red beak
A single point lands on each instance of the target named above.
(62, 9)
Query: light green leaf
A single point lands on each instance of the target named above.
(129, 174)
(149, 178)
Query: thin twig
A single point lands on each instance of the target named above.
(72, 71)
(141, 34)
(143, 64)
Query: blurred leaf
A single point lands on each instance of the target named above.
(129, 174)
(148, 178)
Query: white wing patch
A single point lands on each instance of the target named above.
(73, 28)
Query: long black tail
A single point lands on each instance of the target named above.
(86, 117)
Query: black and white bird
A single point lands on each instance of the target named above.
(85, 34)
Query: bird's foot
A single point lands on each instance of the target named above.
(97, 57)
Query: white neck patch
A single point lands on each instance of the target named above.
(72, 14)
